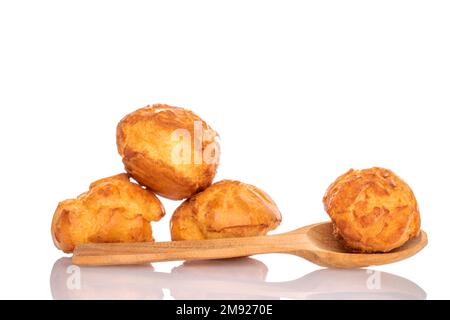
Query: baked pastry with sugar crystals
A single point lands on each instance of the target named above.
(113, 210)
(225, 209)
(373, 210)
(170, 150)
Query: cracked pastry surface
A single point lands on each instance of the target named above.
(372, 210)
(169, 149)
(225, 209)
(113, 210)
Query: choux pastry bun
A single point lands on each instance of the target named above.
(170, 150)
(225, 209)
(113, 210)
(372, 210)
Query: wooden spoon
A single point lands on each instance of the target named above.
(315, 243)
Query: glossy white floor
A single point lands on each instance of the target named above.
(299, 92)
(244, 278)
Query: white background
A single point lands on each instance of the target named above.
(299, 92)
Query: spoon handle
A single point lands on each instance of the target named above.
(145, 252)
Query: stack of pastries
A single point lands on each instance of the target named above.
(171, 152)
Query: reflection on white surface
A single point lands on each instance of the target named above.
(243, 278)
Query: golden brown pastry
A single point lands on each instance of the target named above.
(225, 209)
(373, 210)
(113, 210)
(170, 150)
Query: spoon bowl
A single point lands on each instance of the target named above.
(330, 252)
(315, 243)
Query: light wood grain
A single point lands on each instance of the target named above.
(315, 243)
